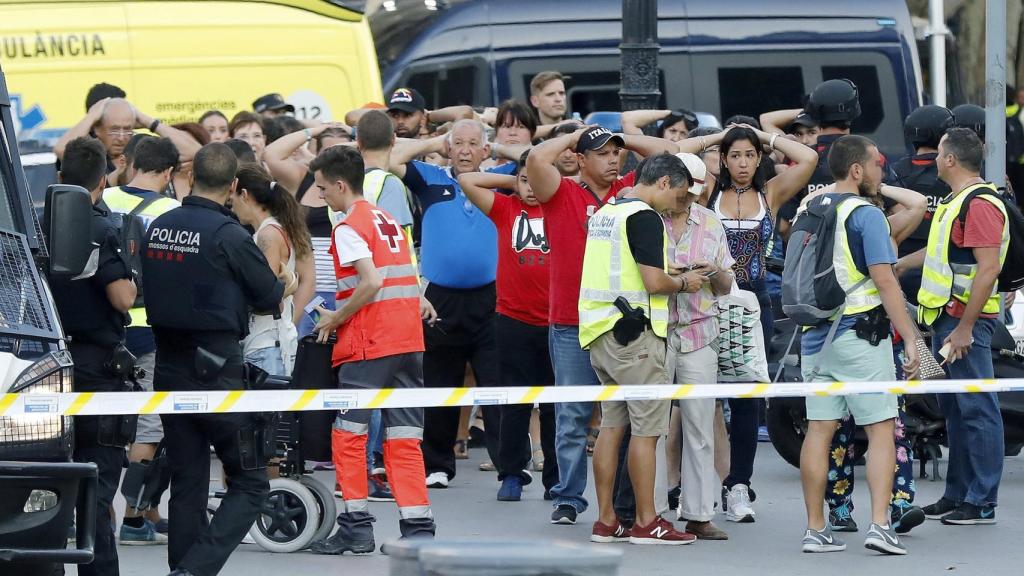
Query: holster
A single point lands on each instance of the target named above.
(207, 364)
(121, 363)
(631, 325)
(873, 326)
(142, 480)
(118, 430)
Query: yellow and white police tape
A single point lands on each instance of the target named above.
(197, 402)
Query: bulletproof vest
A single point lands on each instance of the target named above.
(822, 176)
(919, 173)
(186, 290)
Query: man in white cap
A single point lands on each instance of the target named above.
(699, 246)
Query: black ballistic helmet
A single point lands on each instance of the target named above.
(970, 116)
(834, 101)
(926, 125)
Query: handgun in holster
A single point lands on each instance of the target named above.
(631, 325)
(256, 441)
(143, 480)
(118, 430)
(873, 326)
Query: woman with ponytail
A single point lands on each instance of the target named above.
(281, 234)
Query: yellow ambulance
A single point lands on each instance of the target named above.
(178, 59)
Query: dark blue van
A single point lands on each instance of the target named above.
(745, 56)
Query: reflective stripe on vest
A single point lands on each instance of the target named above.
(858, 298)
(942, 280)
(123, 202)
(609, 271)
(373, 187)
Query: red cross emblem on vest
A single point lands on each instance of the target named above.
(388, 230)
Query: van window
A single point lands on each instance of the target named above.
(866, 79)
(446, 86)
(777, 88)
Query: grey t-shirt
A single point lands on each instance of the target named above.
(394, 199)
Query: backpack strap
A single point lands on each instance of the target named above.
(980, 189)
(145, 203)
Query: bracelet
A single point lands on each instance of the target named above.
(682, 280)
(703, 145)
(153, 125)
(308, 133)
(771, 141)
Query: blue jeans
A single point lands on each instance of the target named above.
(974, 426)
(572, 368)
(375, 440)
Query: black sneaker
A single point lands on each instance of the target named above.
(337, 545)
(939, 509)
(673, 498)
(564, 514)
(905, 519)
(969, 514)
(840, 520)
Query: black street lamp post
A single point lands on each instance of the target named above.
(639, 48)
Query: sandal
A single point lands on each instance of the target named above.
(461, 450)
(538, 460)
(487, 466)
(592, 440)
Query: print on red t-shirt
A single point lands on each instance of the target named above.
(566, 214)
(523, 260)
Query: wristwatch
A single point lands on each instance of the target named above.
(153, 125)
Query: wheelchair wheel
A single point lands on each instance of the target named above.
(289, 518)
(325, 501)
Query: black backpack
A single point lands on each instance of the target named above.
(133, 236)
(1011, 277)
(811, 293)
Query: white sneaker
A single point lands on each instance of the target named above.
(738, 508)
(437, 480)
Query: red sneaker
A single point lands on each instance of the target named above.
(605, 534)
(661, 532)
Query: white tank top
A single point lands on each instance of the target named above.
(265, 331)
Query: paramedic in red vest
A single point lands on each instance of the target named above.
(380, 345)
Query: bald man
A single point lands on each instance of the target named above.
(113, 121)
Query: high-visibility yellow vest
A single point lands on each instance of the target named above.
(373, 187)
(123, 202)
(609, 271)
(942, 280)
(861, 293)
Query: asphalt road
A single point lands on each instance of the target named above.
(468, 509)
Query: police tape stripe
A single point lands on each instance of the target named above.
(198, 402)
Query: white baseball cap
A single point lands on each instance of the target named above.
(698, 171)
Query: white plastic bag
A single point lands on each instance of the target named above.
(741, 346)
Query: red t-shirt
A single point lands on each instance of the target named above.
(983, 229)
(566, 214)
(523, 260)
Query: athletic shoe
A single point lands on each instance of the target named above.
(903, 519)
(725, 497)
(816, 541)
(144, 536)
(738, 507)
(317, 466)
(661, 532)
(337, 491)
(762, 434)
(511, 489)
(939, 509)
(437, 480)
(379, 490)
(605, 534)
(564, 514)
(547, 495)
(379, 471)
(487, 466)
(884, 540)
(969, 514)
(840, 520)
(337, 545)
(162, 526)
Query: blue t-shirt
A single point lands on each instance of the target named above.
(458, 242)
(868, 234)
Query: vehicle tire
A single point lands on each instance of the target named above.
(289, 518)
(787, 425)
(325, 502)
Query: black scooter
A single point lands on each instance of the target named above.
(925, 424)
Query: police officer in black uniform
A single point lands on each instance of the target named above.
(203, 274)
(834, 105)
(923, 129)
(93, 309)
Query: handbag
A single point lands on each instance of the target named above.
(741, 346)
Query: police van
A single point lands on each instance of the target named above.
(38, 483)
(725, 58)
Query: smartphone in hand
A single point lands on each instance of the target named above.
(311, 309)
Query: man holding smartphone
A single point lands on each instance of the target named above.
(380, 345)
